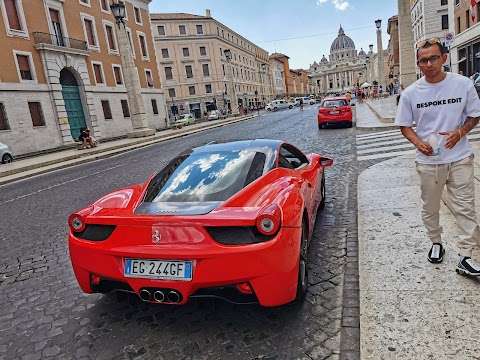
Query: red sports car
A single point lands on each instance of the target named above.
(230, 220)
(334, 110)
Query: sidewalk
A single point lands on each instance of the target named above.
(410, 308)
(384, 108)
(28, 167)
(366, 118)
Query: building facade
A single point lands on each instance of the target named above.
(288, 76)
(429, 20)
(465, 53)
(278, 76)
(344, 68)
(393, 67)
(197, 75)
(61, 70)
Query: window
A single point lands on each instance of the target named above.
(443, 2)
(13, 15)
(98, 72)
(117, 72)
(189, 71)
(203, 51)
(111, 39)
(445, 22)
(458, 25)
(107, 113)
(154, 107)
(223, 68)
(129, 33)
(148, 75)
(168, 73)
(126, 12)
(186, 52)
(208, 88)
(56, 27)
(171, 92)
(457, 2)
(3, 118)
(191, 90)
(23, 62)
(89, 31)
(467, 18)
(143, 45)
(36, 113)
(199, 29)
(161, 30)
(165, 53)
(138, 15)
(125, 109)
(182, 30)
(206, 71)
(85, 2)
(104, 6)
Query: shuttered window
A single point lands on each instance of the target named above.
(125, 109)
(149, 78)
(54, 15)
(12, 15)
(168, 73)
(24, 67)
(138, 15)
(3, 118)
(165, 53)
(36, 113)
(90, 32)
(206, 71)
(118, 75)
(191, 90)
(182, 30)
(111, 41)
(143, 46)
(154, 107)
(186, 52)
(203, 51)
(104, 5)
(171, 92)
(97, 69)
(188, 70)
(107, 113)
(161, 30)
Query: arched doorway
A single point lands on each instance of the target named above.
(73, 102)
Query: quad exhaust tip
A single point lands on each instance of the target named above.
(145, 295)
(173, 297)
(158, 296)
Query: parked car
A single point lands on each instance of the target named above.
(186, 119)
(230, 220)
(334, 110)
(5, 154)
(214, 115)
(278, 105)
(306, 101)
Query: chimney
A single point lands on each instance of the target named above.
(207, 12)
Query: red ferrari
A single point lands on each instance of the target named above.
(334, 110)
(229, 220)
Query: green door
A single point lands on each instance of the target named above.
(73, 105)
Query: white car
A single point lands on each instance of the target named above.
(186, 119)
(306, 101)
(214, 115)
(278, 105)
(5, 154)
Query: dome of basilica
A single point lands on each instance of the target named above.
(324, 60)
(342, 42)
(362, 53)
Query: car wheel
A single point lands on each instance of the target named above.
(320, 127)
(7, 158)
(275, 109)
(269, 109)
(323, 192)
(349, 125)
(302, 280)
(290, 107)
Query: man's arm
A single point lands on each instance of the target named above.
(455, 135)
(422, 146)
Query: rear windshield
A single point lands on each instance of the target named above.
(334, 103)
(206, 176)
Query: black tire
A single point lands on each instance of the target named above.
(320, 127)
(290, 107)
(321, 206)
(302, 278)
(7, 158)
(349, 125)
(275, 109)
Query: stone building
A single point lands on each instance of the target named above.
(61, 70)
(194, 69)
(393, 68)
(342, 70)
(278, 78)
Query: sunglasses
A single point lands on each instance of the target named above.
(433, 60)
(431, 41)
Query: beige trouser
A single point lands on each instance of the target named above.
(459, 181)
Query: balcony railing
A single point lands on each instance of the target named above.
(52, 39)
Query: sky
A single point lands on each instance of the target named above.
(301, 29)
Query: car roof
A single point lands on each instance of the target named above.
(269, 145)
(335, 98)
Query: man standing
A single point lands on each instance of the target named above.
(447, 105)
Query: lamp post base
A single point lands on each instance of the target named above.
(141, 133)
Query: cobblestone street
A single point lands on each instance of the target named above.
(44, 314)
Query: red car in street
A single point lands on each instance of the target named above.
(230, 220)
(334, 110)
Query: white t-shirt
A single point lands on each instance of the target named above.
(439, 107)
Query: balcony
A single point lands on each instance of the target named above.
(55, 43)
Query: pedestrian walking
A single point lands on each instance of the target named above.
(445, 107)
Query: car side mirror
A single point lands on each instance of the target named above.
(324, 161)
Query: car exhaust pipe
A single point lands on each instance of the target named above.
(173, 297)
(145, 295)
(158, 296)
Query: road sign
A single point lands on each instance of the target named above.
(449, 43)
(448, 36)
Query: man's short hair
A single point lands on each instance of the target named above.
(443, 49)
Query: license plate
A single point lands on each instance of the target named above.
(334, 112)
(158, 269)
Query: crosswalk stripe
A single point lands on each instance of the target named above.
(406, 146)
(361, 136)
(398, 140)
(384, 155)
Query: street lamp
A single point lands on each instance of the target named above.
(130, 74)
(381, 66)
(233, 96)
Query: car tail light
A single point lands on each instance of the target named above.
(244, 288)
(268, 223)
(76, 221)
(95, 279)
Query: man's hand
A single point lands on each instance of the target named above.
(453, 137)
(424, 147)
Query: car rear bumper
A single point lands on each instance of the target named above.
(271, 268)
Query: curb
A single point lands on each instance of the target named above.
(82, 157)
(380, 117)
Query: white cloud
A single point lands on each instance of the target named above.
(341, 5)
